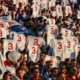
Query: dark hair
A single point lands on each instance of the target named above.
(67, 59)
(58, 57)
(53, 69)
(33, 69)
(60, 74)
(18, 70)
(30, 63)
(61, 64)
(48, 63)
(5, 74)
(7, 54)
(22, 63)
(43, 52)
(73, 60)
(35, 64)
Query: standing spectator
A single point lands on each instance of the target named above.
(49, 66)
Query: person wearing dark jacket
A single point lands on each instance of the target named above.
(31, 23)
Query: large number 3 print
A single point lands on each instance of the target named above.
(60, 45)
(68, 44)
(35, 42)
(52, 30)
(10, 46)
(66, 33)
(33, 50)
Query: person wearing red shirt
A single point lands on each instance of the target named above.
(71, 77)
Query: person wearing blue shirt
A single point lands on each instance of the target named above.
(54, 73)
(21, 15)
(49, 67)
(24, 15)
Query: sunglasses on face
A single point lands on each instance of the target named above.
(36, 72)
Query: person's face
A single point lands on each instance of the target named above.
(75, 70)
(56, 70)
(54, 73)
(19, 10)
(15, 8)
(12, 62)
(26, 7)
(42, 56)
(63, 69)
(47, 11)
(74, 63)
(8, 77)
(24, 67)
(60, 18)
(20, 74)
(23, 12)
(36, 73)
(71, 26)
(67, 18)
(51, 65)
